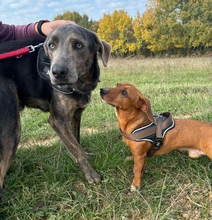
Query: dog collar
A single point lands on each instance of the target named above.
(153, 132)
(65, 90)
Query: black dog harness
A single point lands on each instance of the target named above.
(153, 132)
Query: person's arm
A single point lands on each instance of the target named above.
(7, 32)
(28, 31)
(12, 32)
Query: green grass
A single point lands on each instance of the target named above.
(43, 182)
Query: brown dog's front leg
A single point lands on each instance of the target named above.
(139, 162)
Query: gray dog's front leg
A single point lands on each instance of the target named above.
(76, 121)
(66, 124)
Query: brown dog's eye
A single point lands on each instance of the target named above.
(117, 84)
(124, 92)
(79, 46)
(52, 46)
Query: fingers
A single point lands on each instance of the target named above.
(47, 27)
(56, 23)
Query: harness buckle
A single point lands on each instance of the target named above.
(158, 142)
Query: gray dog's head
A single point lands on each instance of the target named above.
(72, 51)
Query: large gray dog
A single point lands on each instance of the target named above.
(72, 51)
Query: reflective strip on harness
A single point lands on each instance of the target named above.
(151, 138)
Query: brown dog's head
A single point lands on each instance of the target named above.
(127, 98)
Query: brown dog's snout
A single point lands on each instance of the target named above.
(103, 91)
(59, 71)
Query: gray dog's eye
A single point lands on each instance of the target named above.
(52, 45)
(79, 46)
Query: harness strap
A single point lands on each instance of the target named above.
(158, 142)
(159, 128)
(151, 130)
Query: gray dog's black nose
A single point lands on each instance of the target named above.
(103, 91)
(59, 72)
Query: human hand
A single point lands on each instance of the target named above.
(47, 27)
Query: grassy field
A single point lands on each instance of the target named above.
(43, 182)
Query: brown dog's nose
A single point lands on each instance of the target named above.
(103, 91)
(59, 72)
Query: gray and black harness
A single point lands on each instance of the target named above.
(153, 132)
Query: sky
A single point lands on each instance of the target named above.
(20, 12)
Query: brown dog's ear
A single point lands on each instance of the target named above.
(104, 49)
(144, 105)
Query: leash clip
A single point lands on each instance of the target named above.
(156, 116)
(32, 48)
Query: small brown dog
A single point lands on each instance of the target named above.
(134, 113)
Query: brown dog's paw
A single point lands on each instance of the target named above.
(92, 178)
(133, 188)
(136, 185)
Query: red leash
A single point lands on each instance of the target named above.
(20, 52)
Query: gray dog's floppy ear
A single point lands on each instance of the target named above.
(104, 50)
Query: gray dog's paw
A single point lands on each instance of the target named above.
(92, 177)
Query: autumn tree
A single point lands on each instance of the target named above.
(81, 20)
(94, 26)
(117, 29)
(196, 18)
(168, 25)
(138, 33)
(161, 27)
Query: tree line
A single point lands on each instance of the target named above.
(181, 27)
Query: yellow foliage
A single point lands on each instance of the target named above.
(117, 29)
(177, 24)
(165, 25)
(137, 27)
